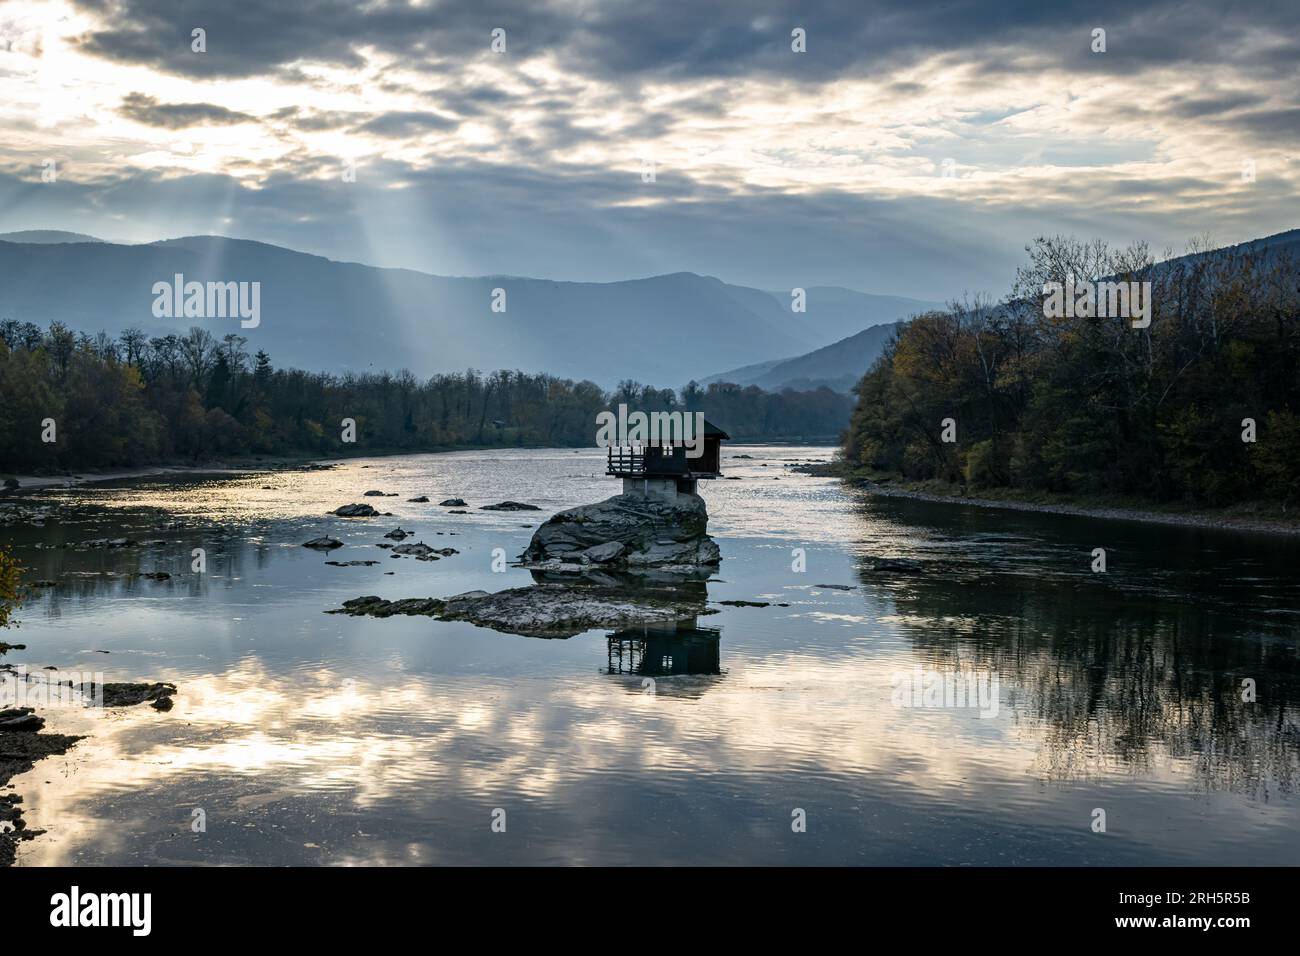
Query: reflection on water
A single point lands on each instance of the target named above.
(309, 738)
(663, 650)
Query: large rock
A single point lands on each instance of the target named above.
(549, 609)
(653, 532)
(356, 511)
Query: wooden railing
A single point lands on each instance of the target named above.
(625, 461)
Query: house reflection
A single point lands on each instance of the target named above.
(665, 649)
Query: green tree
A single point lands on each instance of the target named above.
(10, 598)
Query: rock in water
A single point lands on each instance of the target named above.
(127, 695)
(20, 718)
(356, 511)
(509, 506)
(652, 532)
(323, 544)
(550, 609)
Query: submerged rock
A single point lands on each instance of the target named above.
(509, 506)
(651, 532)
(351, 564)
(895, 566)
(355, 511)
(421, 499)
(397, 534)
(108, 543)
(423, 552)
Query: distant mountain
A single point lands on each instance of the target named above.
(46, 236)
(319, 314)
(838, 366)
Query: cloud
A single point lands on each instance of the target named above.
(406, 123)
(147, 110)
(826, 166)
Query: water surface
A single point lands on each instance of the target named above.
(307, 738)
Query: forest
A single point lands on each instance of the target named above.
(1200, 407)
(130, 400)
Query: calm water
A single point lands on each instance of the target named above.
(309, 738)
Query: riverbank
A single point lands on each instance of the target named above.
(234, 466)
(1255, 517)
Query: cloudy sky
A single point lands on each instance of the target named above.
(913, 149)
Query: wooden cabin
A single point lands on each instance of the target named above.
(666, 469)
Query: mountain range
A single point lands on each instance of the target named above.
(324, 315)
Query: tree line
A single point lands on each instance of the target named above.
(1200, 406)
(134, 399)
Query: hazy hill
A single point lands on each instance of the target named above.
(841, 364)
(335, 316)
(46, 236)
(838, 366)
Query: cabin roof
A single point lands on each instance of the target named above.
(713, 431)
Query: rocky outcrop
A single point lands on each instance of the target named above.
(452, 503)
(323, 544)
(157, 694)
(626, 532)
(509, 506)
(355, 511)
(548, 609)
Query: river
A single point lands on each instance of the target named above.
(772, 734)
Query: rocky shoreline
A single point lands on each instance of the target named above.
(23, 744)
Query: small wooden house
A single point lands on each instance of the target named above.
(666, 469)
